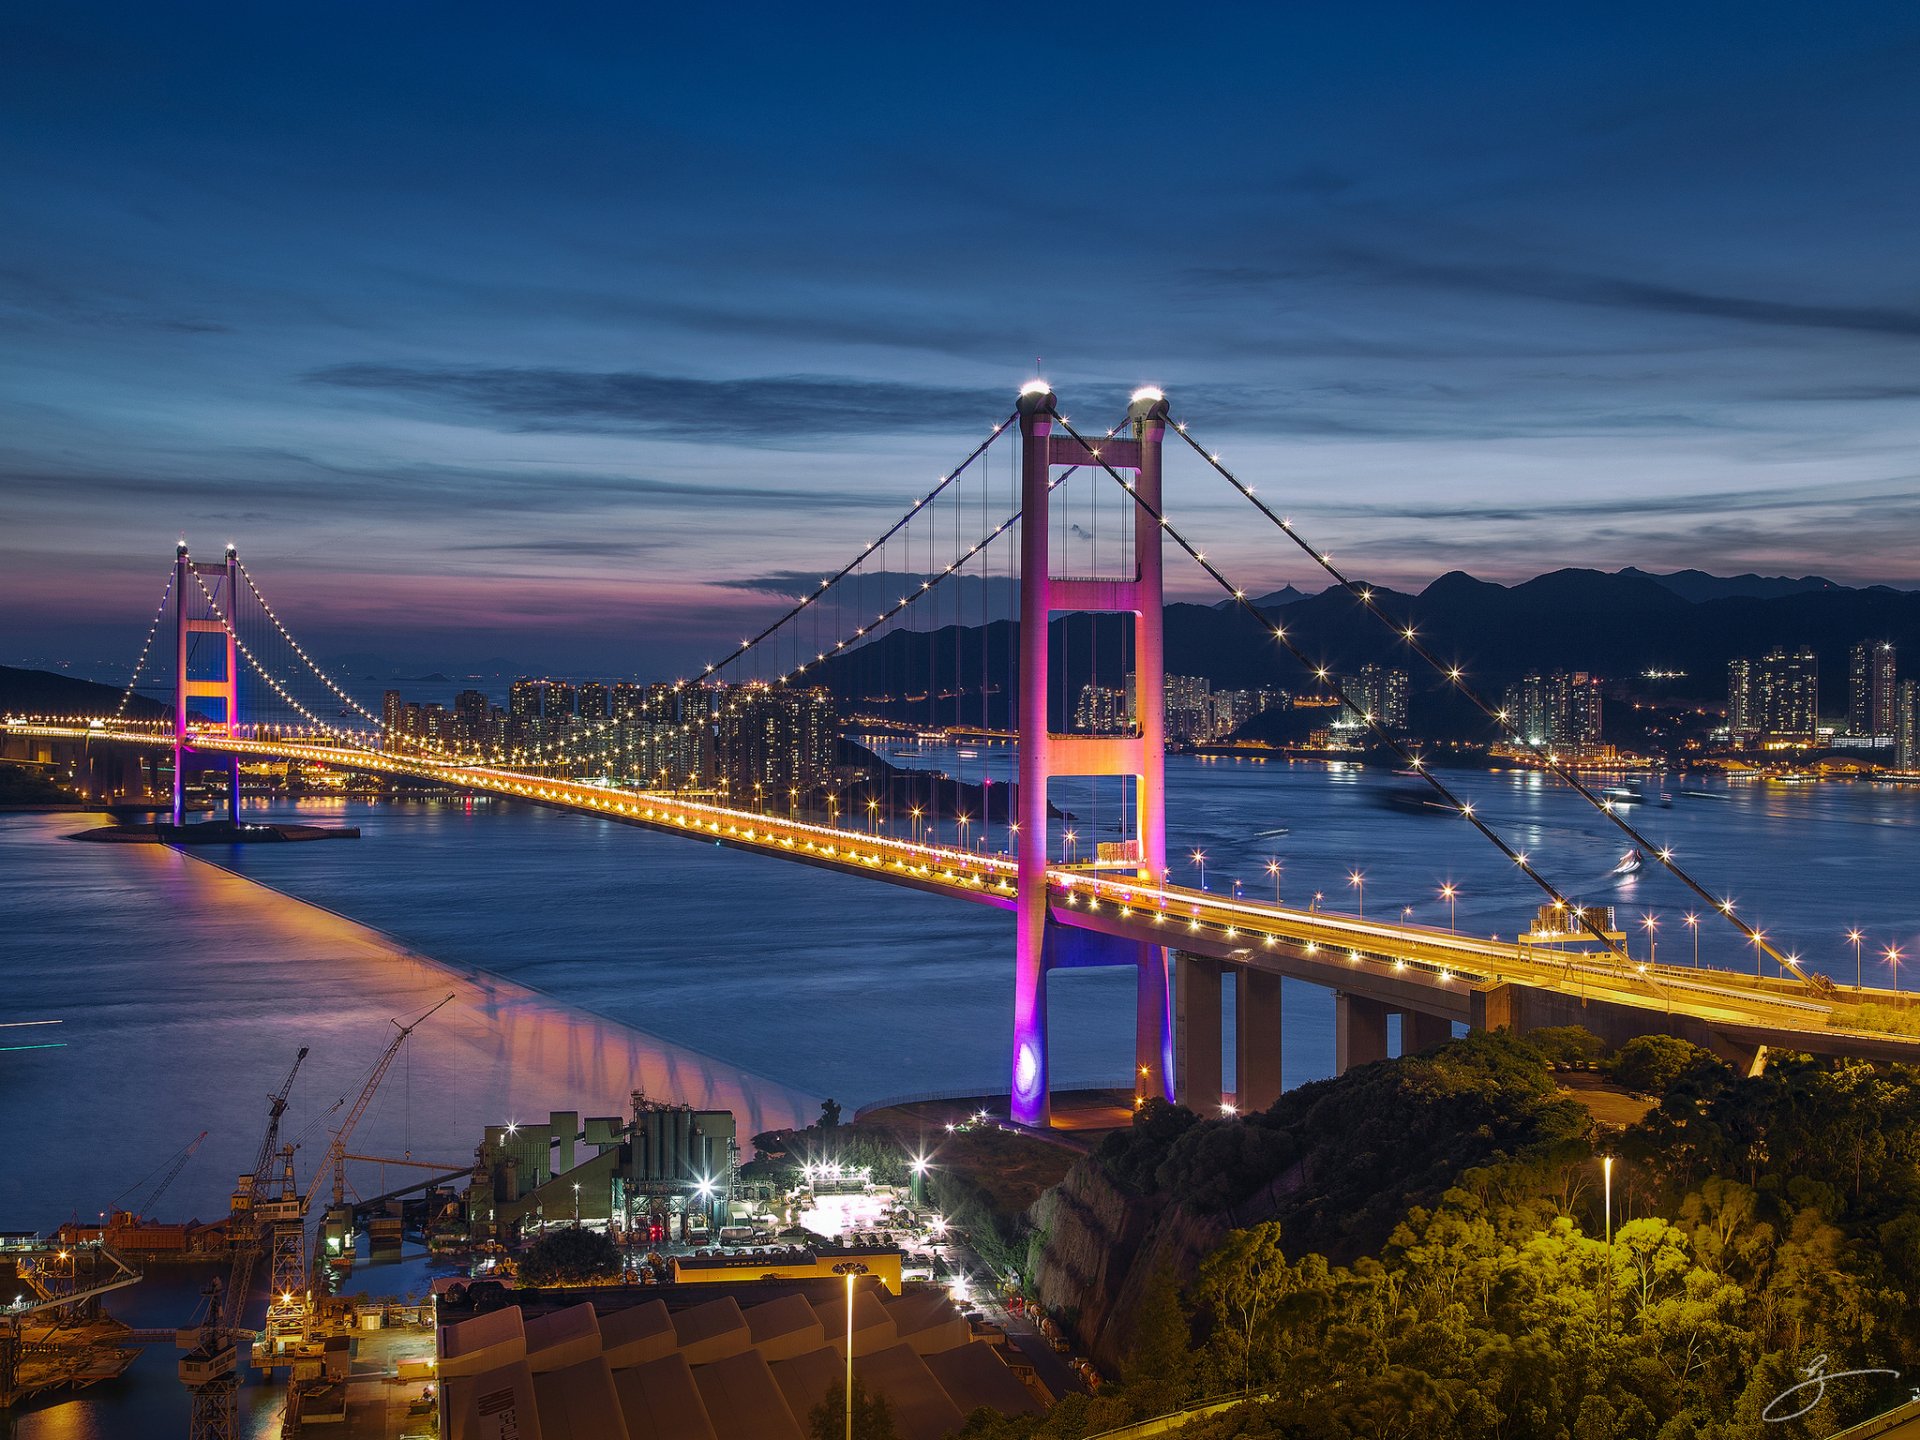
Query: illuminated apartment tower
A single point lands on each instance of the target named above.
(1870, 689)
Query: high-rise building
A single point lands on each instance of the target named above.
(1870, 689)
(1102, 710)
(392, 711)
(1906, 725)
(523, 699)
(1787, 688)
(1563, 711)
(1189, 708)
(774, 745)
(470, 721)
(1743, 711)
(593, 701)
(1379, 693)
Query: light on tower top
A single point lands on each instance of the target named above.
(1036, 387)
(1148, 393)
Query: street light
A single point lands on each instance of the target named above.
(1199, 858)
(1358, 880)
(1449, 892)
(850, 1268)
(1693, 924)
(916, 812)
(962, 821)
(1073, 844)
(1894, 955)
(873, 810)
(1274, 867)
(1758, 937)
(1651, 925)
(1854, 937)
(1606, 1171)
(1318, 896)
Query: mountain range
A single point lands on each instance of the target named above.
(1618, 625)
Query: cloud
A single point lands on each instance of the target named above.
(756, 412)
(1575, 288)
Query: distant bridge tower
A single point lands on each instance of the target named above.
(188, 622)
(1141, 755)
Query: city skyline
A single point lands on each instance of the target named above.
(1473, 295)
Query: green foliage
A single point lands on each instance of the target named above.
(1758, 1223)
(1162, 1369)
(1885, 1019)
(829, 1113)
(872, 1416)
(1567, 1045)
(1653, 1064)
(570, 1256)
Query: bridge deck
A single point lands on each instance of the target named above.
(1424, 968)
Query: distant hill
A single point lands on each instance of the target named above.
(1286, 595)
(42, 692)
(1697, 585)
(1615, 625)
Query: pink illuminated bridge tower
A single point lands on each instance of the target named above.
(1041, 945)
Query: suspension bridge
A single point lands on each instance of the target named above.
(1078, 537)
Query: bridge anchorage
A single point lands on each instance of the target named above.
(1119, 907)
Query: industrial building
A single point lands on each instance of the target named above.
(664, 1172)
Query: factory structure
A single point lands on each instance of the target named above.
(661, 1173)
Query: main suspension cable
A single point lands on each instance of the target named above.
(287, 636)
(146, 648)
(746, 646)
(1408, 757)
(1409, 636)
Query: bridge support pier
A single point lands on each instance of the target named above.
(1196, 1012)
(1420, 1031)
(1359, 1031)
(1256, 1035)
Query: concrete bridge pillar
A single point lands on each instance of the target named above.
(1196, 1019)
(1359, 1031)
(1256, 1050)
(1420, 1031)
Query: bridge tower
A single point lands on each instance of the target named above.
(226, 689)
(1040, 945)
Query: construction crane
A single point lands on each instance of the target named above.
(243, 1224)
(288, 1305)
(336, 1160)
(171, 1169)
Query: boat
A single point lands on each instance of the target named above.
(1270, 834)
(1630, 863)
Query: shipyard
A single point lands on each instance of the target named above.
(652, 1272)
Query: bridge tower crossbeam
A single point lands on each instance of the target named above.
(1139, 755)
(225, 688)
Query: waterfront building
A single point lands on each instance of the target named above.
(1870, 689)
(1189, 708)
(1380, 692)
(593, 702)
(1906, 727)
(392, 708)
(470, 711)
(1774, 700)
(1563, 711)
(1103, 710)
(774, 744)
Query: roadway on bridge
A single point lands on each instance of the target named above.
(1249, 932)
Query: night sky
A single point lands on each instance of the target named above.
(494, 331)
